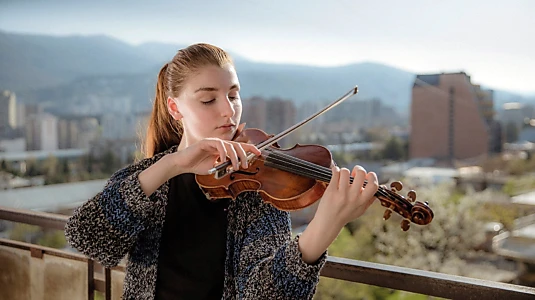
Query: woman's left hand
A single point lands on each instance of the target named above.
(344, 201)
(341, 203)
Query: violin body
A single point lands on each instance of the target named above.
(285, 190)
(295, 178)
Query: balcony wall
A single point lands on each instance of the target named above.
(30, 271)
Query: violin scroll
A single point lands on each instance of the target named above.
(411, 210)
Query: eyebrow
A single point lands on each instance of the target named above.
(213, 89)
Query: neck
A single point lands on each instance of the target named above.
(183, 142)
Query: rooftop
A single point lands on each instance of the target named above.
(53, 197)
(42, 154)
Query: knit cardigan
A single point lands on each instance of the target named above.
(262, 259)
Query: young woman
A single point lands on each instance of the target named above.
(180, 245)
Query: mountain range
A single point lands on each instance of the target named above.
(56, 70)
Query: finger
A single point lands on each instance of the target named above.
(251, 148)
(333, 163)
(221, 149)
(335, 177)
(231, 152)
(359, 175)
(371, 187)
(241, 154)
(343, 183)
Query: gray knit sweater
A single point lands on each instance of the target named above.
(262, 258)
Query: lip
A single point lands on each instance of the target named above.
(227, 126)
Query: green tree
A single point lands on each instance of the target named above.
(445, 245)
(393, 149)
(50, 166)
(36, 235)
(3, 165)
(65, 169)
(24, 232)
(109, 162)
(54, 239)
(32, 168)
(90, 160)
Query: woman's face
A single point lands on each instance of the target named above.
(209, 104)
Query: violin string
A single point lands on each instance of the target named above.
(315, 170)
(284, 162)
(307, 168)
(298, 166)
(295, 167)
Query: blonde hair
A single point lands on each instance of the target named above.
(163, 131)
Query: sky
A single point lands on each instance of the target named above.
(492, 40)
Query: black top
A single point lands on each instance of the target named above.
(193, 244)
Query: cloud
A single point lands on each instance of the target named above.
(486, 38)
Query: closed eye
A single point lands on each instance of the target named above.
(208, 102)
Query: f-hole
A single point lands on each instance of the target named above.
(232, 177)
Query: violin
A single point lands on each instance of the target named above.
(295, 178)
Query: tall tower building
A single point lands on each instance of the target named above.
(450, 118)
(8, 111)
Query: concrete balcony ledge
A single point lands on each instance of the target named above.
(34, 272)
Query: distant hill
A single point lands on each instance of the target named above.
(60, 69)
(34, 61)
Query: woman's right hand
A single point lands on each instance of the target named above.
(201, 156)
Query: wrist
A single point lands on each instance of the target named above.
(317, 238)
(327, 222)
(327, 227)
(172, 161)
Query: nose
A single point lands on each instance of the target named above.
(227, 109)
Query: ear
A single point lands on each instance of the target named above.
(173, 109)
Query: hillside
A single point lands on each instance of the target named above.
(60, 69)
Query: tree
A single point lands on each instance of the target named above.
(445, 245)
(3, 165)
(65, 169)
(50, 166)
(393, 149)
(90, 160)
(109, 161)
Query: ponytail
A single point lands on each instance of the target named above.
(163, 131)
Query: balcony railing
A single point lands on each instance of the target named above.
(36, 272)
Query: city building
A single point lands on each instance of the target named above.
(8, 111)
(452, 119)
(42, 132)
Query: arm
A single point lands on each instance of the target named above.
(341, 202)
(273, 264)
(270, 264)
(105, 227)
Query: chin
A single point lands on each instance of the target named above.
(227, 136)
(222, 135)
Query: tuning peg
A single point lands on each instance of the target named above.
(387, 214)
(405, 225)
(396, 186)
(411, 195)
